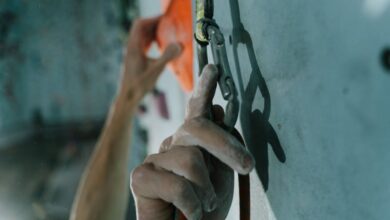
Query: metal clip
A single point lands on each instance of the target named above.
(226, 82)
(208, 33)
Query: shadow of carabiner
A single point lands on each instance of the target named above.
(257, 130)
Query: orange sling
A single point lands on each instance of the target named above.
(176, 26)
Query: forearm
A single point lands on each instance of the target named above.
(103, 191)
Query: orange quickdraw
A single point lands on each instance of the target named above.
(176, 27)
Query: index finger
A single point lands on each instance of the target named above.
(143, 33)
(200, 102)
(218, 142)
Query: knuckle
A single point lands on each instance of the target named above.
(195, 107)
(199, 122)
(138, 176)
(166, 144)
(193, 124)
(150, 158)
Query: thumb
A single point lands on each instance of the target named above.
(171, 52)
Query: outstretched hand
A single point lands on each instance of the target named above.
(141, 72)
(193, 171)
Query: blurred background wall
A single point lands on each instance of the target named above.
(12, 114)
(59, 61)
(59, 66)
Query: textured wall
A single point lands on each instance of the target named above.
(313, 86)
(59, 59)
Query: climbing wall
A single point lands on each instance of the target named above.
(314, 91)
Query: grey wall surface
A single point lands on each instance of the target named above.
(312, 85)
(59, 59)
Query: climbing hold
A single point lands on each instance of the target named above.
(176, 27)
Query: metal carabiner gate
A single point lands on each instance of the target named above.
(208, 33)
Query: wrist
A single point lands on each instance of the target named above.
(126, 102)
(131, 91)
(130, 94)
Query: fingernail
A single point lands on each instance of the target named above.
(247, 162)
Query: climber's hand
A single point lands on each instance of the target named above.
(141, 72)
(193, 171)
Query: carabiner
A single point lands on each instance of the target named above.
(226, 82)
(208, 33)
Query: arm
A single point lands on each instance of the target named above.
(103, 191)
